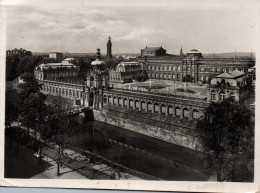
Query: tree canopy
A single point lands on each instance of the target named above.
(12, 105)
(29, 86)
(28, 63)
(227, 139)
(33, 110)
(11, 67)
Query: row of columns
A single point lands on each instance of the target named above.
(153, 110)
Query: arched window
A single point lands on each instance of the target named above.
(222, 95)
(70, 92)
(178, 111)
(170, 110)
(173, 68)
(163, 109)
(104, 98)
(143, 105)
(150, 106)
(125, 102)
(115, 100)
(120, 101)
(202, 69)
(131, 103)
(185, 112)
(161, 76)
(179, 68)
(110, 100)
(156, 107)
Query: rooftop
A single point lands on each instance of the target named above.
(232, 75)
(97, 62)
(152, 48)
(194, 51)
(128, 64)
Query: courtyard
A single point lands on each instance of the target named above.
(167, 87)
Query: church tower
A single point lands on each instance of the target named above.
(109, 49)
(181, 53)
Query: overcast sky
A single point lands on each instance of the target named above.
(82, 26)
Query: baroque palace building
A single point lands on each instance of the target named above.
(226, 78)
(168, 116)
(192, 67)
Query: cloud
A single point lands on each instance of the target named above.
(83, 28)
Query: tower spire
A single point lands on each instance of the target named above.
(181, 53)
(109, 48)
(98, 54)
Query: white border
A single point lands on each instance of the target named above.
(134, 184)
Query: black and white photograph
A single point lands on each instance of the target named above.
(120, 91)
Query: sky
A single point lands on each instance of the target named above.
(82, 26)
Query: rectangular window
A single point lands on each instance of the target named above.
(213, 96)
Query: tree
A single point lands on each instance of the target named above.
(28, 64)
(60, 127)
(29, 86)
(33, 114)
(12, 105)
(11, 67)
(227, 139)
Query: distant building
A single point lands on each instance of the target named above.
(18, 52)
(225, 85)
(192, 67)
(153, 51)
(194, 53)
(56, 55)
(125, 72)
(66, 68)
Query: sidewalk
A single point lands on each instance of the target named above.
(24, 164)
(75, 165)
(51, 172)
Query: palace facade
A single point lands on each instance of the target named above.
(192, 67)
(226, 77)
(169, 116)
(125, 72)
(67, 68)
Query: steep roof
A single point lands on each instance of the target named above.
(233, 74)
(236, 73)
(224, 75)
(152, 48)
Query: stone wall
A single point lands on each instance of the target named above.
(173, 134)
